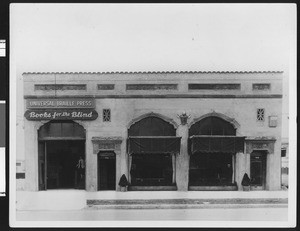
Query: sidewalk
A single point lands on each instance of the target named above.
(77, 199)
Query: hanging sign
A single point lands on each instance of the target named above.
(61, 114)
(60, 103)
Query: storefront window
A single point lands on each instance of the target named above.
(212, 163)
(209, 169)
(155, 169)
(152, 146)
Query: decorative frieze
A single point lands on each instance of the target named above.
(261, 86)
(61, 87)
(214, 86)
(106, 86)
(266, 144)
(151, 87)
(107, 144)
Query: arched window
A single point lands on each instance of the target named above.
(61, 130)
(213, 144)
(152, 126)
(152, 143)
(212, 126)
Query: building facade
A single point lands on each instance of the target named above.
(162, 130)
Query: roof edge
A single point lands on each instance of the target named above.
(154, 72)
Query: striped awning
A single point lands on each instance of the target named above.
(153, 145)
(216, 144)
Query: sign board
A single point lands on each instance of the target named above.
(61, 114)
(60, 103)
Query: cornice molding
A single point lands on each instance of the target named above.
(153, 72)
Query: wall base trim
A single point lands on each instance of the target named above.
(152, 188)
(213, 188)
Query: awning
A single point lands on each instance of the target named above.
(153, 144)
(215, 144)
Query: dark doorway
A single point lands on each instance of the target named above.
(106, 171)
(258, 169)
(62, 159)
(61, 148)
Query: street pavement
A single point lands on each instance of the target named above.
(77, 199)
(224, 213)
(64, 209)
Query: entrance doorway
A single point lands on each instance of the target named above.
(62, 159)
(58, 164)
(106, 171)
(61, 156)
(258, 170)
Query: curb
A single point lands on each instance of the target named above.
(189, 201)
(184, 206)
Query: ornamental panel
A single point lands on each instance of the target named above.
(253, 145)
(106, 86)
(107, 143)
(151, 87)
(261, 86)
(214, 86)
(59, 87)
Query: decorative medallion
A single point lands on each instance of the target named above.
(183, 118)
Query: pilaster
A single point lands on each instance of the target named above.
(31, 155)
(182, 159)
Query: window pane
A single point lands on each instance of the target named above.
(53, 130)
(212, 126)
(152, 126)
(151, 170)
(208, 169)
(61, 130)
(67, 129)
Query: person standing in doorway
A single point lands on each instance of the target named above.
(80, 171)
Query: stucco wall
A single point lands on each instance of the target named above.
(125, 109)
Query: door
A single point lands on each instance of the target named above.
(258, 170)
(42, 165)
(106, 171)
